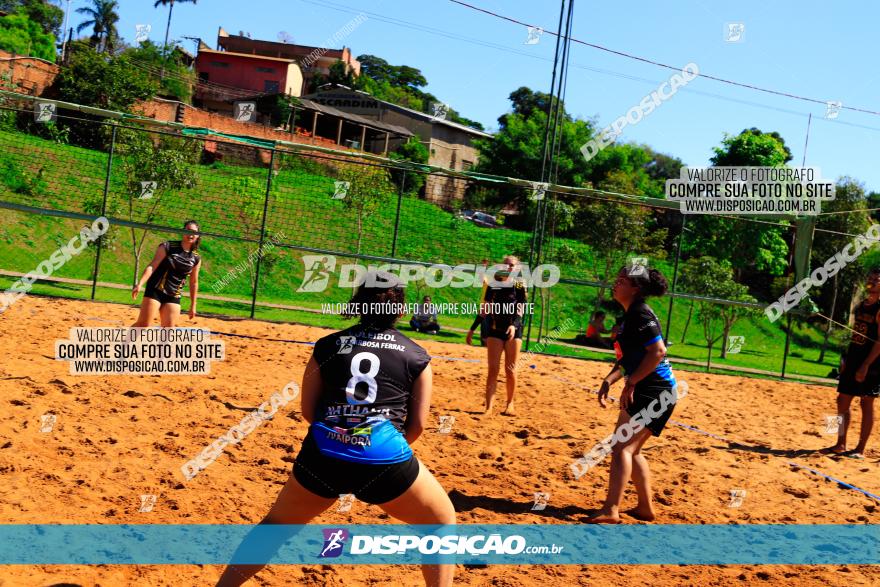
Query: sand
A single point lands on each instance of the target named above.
(109, 446)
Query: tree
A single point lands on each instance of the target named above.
(368, 188)
(102, 20)
(93, 79)
(415, 152)
(179, 82)
(167, 161)
(752, 147)
(708, 277)
(849, 197)
(19, 34)
(751, 247)
(47, 15)
(616, 231)
(170, 4)
(518, 145)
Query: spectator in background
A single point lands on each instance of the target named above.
(425, 318)
(595, 330)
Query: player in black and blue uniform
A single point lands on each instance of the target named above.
(504, 306)
(860, 371)
(366, 393)
(173, 263)
(648, 396)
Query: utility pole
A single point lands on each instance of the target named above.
(64, 30)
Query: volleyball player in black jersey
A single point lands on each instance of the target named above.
(173, 262)
(648, 396)
(504, 307)
(860, 370)
(366, 393)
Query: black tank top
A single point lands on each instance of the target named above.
(504, 304)
(173, 270)
(865, 327)
(367, 376)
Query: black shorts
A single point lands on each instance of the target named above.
(644, 398)
(161, 297)
(848, 385)
(502, 334)
(330, 477)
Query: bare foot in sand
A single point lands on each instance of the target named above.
(601, 517)
(488, 406)
(833, 450)
(509, 410)
(641, 513)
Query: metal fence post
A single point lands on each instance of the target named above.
(263, 231)
(787, 344)
(397, 218)
(675, 276)
(104, 209)
(792, 271)
(534, 259)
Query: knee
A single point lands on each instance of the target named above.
(447, 515)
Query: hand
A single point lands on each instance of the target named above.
(626, 396)
(862, 373)
(135, 291)
(603, 392)
(511, 332)
(192, 312)
(469, 337)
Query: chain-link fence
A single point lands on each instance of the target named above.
(268, 212)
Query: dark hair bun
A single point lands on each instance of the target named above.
(657, 284)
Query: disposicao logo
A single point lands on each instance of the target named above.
(334, 542)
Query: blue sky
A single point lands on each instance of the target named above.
(473, 61)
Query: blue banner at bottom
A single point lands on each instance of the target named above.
(562, 544)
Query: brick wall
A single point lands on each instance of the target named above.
(167, 111)
(28, 75)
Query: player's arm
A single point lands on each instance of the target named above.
(487, 302)
(194, 288)
(615, 375)
(419, 406)
(311, 390)
(516, 319)
(654, 353)
(872, 356)
(149, 269)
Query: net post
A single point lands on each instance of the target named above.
(263, 231)
(104, 208)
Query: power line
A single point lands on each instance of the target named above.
(667, 66)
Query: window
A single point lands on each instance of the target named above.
(266, 70)
(271, 87)
(219, 64)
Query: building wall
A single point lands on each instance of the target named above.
(27, 75)
(452, 149)
(243, 72)
(167, 111)
(294, 80)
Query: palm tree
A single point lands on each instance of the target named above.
(103, 22)
(170, 4)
